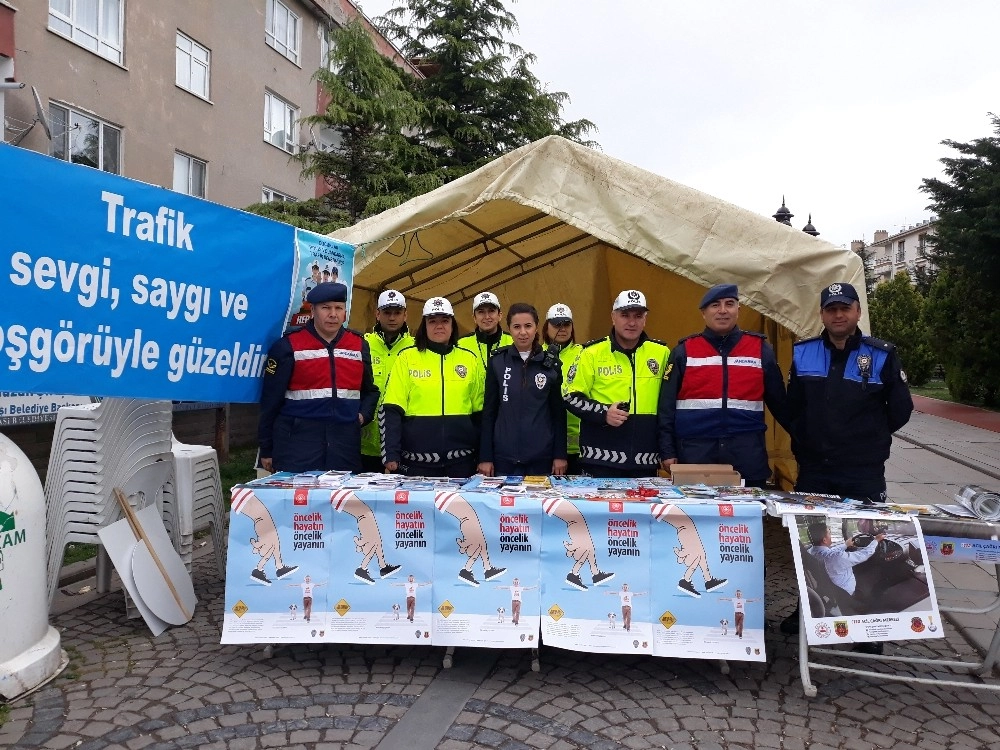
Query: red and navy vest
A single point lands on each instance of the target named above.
(326, 378)
(720, 395)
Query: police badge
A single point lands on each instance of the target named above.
(540, 380)
(570, 374)
(653, 365)
(461, 370)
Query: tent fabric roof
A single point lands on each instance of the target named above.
(554, 199)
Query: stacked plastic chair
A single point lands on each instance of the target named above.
(195, 502)
(124, 443)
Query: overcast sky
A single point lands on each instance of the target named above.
(840, 106)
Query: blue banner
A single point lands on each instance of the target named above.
(113, 287)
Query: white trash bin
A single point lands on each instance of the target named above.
(29, 649)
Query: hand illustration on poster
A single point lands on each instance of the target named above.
(690, 551)
(395, 529)
(472, 543)
(580, 546)
(368, 541)
(267, 525)
(601, 534)
(502, 533)
(715, 546)
(267, 543)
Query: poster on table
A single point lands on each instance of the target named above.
(278, 566)
(708, 592)
(595, 576)
(486, 566)
(136, 291)
(381, 566)
(863, 579)
(971, 540)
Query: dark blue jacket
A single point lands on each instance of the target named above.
(524, 419)
(844, 404)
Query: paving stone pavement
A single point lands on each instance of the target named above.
(125, 689)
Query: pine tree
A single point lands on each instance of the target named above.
(481, 98)
(372, 165)
(964, 301)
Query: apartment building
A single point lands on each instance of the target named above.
(905, 250)
(204, 97)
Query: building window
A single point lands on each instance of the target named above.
(83, 139)
(94, 24)
(901, 251)
(189, 175)
(268, 195)
(922, 245)
(282, 29)
(192, 65)
(326, 47)
(279, 122)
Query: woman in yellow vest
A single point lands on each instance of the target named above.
(559, 330)
(430, 416)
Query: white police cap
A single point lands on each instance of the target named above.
(560, 312)
(630, 299)
(438, 306)
(391, 298)
(485, 298)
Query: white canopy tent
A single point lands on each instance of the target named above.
(554, 221)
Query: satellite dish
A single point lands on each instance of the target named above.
(40, 114)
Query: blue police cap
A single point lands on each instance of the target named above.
(841, 292)
(717, 292)
(328, 291)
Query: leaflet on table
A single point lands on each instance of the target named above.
(595, 576)
(708, 591)
(382, 571)
(277, 585)
(863, 579)
(801, 503)
(486, 568)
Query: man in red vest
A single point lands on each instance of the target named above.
(715, 386)
(318, 391)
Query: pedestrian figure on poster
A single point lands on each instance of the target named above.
(369, 539)
(739, 611)
(516, 590)
(580, 545)
(625, 595)
(267, 543)
(410, 586)
(690, 552)
(307, 587)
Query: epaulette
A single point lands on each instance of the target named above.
(806, 341)
(879, 343)
(595, 341)
(356, 333)
(658, 341)
(755, 333)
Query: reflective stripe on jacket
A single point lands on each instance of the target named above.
(721, 395)
(322, 373)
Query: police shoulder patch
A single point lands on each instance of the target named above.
(669, 369)
(271, 367)
(878, 343)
